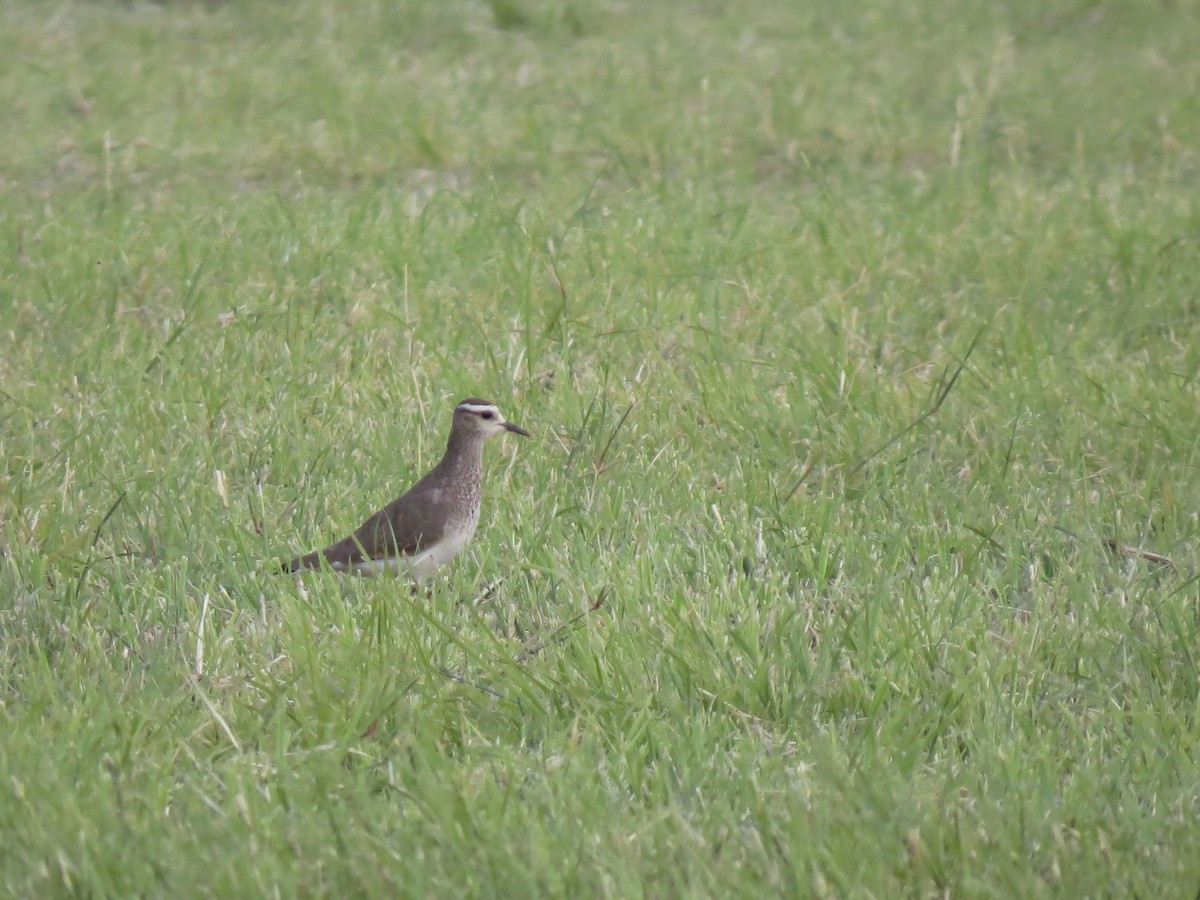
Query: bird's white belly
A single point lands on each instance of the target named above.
(424, 563)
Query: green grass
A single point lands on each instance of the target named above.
(754, 613)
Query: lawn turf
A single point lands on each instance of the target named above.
(855, 553)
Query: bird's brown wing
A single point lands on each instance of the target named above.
(402, 528)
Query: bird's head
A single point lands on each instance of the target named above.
(475, 416)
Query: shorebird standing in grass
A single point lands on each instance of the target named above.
(424, 529)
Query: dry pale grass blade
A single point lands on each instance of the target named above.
(1138, 553)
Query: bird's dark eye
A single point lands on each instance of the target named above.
(487, 415)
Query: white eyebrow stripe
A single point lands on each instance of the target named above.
(479, 407)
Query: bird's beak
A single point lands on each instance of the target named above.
(516, 429)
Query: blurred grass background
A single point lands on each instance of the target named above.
(755, 612)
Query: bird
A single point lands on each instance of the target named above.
(425, 528)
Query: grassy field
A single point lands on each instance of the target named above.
(854, 555)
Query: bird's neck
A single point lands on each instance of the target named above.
(463, 457)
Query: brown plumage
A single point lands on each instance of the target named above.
(430, 524)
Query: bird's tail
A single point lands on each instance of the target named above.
(300, 563)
